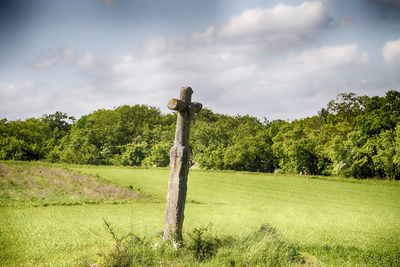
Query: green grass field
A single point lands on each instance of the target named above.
(339, 221)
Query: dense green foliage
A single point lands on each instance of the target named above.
(356, 136)
(33, 139)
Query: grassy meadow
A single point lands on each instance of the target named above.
(336, 221)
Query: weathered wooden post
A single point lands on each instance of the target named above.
(179, 164)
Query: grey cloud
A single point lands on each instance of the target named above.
(254, 31)
(383, 9)
(65, 56)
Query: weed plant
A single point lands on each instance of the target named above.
(202, 247)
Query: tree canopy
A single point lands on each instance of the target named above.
(357, 136)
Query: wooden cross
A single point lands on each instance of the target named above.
(179, 164)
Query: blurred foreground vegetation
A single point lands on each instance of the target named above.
(357, 136)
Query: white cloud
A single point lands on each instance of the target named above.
(328, 57)
(25, 99)
(231, 69)
(86, 60)
(239, 75)
(64, 56)
(391, 51)
(67, 52)
(254, 31)
(281, 19)
(22, 97)
(238, 83)
(45, 62)
(11, 90)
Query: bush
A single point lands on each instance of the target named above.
(159, 155)
(134, 154)
(202, 244)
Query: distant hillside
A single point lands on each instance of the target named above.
(39, 184)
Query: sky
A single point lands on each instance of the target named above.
(270, 59)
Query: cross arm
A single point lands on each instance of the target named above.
(179, 105)
(176, 104)
(196, 107)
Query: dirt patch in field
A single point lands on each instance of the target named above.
(37, 184)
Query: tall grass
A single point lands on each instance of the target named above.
(264, 247)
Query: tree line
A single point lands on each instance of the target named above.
(356, 136)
